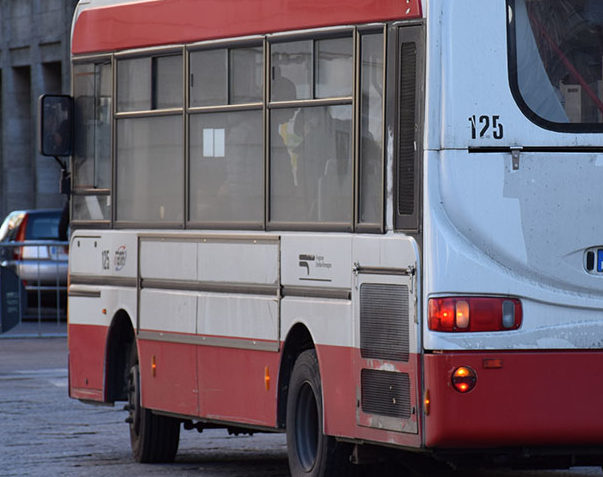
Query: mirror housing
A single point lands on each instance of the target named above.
(55, 125)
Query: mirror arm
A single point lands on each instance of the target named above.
(61, 163)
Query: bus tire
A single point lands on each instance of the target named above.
(311, 453)
(153, 438)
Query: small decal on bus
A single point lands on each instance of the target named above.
(120, 258)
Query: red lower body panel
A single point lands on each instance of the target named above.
(237, 385)
(224, 384)
(539, 398)
(168, 375)
(87, 361)
(233, 385)
(340, 369)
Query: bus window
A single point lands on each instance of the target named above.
(556, 61)
(149, 83)
(311, 165)
(208, 78)
(150, 169)
(227, 168)
(226, 171)
(134, 84)
(246, 75)
(167, 82)
(92, 88)
(333, 64)
(311, 159)
(371, 130)
(150, 148)
(291, 70)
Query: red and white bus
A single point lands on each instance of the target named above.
(363, 223)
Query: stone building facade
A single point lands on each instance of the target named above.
(34, 59)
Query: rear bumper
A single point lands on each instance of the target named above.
(535, 398)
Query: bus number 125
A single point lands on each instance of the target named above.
(486, 123)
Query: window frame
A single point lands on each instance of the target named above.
(172, 50)
(227, 45)
(103, 192)
(266, 106)
(313, 36)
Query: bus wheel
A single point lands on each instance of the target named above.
(311, 453)
(153, 438)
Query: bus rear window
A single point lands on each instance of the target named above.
(556, 62)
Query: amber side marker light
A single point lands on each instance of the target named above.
(427, 402)
(464, 379)
(472, 313)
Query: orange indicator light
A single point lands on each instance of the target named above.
(154, 366)
(267, 378)
(427, 403)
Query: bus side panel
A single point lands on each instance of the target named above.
(167, 374)
(521, 398)
(339, 389)
(340, 369)
(234, 387)
(87, 344)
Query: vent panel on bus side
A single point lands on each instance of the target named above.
(407, 129)
(384, 321)
(386, 393)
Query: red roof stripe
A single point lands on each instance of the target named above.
(163, 22)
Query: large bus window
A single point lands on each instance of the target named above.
(150, 169)
(226, 160)
(227, 168)
(311, 165)
(311, 147)
(556, 61)
(371, 129)
(92, 85)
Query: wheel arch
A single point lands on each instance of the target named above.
(298, 340)
(120, 339)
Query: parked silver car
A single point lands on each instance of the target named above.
(38, 257)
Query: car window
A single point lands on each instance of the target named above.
(43, 226)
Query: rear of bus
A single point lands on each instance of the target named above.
(513, 241)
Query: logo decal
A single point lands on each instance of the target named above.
(120, 257)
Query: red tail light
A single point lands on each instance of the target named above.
(464, 379)
(470, 314)
(20, 237)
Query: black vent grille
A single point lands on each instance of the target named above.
(384, 321)
(385, 393)
(407, 133)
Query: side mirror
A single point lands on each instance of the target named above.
(55, 125)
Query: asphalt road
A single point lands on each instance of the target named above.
(44, 433)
